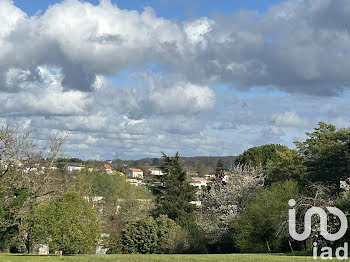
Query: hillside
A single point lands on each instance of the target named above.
(201, 164)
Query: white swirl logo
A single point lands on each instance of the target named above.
(323, 222)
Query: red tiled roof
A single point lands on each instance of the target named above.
(107, 166)
(136, 170)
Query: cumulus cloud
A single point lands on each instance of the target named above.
(181, 97)
(296, 46)
(56, 70)
(288, 119)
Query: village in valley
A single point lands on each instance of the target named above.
(168, 131)
(150, 176)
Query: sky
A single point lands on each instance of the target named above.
(195, 76)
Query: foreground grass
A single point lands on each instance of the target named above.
(157, 258)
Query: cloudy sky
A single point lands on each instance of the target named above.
(198, 76)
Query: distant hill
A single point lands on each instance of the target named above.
(201, 164)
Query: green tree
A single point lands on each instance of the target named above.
(174, 198)
(66, 223)
(140, 236)
(326, 153)
(260, 155)
(288, 164)
(257, 229)
(219, 170)
(343, 203)
(171, 237)
(104, 185)
(149, 235)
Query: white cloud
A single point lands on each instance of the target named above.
(55, 69)
(290, 119)
(184, 98)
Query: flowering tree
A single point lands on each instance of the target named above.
(221, 203)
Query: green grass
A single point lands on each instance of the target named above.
(157, 258)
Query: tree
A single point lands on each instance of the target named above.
(257, 229)
(140, 236)
(222, 203)
(260, 155)
(171, 237)
(68, 223)
(161, 235)
(174, 198)
(326, 154)
(288, 164)
(122, 203)
(27, 177)
(219, 170)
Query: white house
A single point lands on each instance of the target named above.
(135, 173)
(134, 181)
(74, 167)
(108, 169)
(198, 182)
(210, 176)
(155, 172)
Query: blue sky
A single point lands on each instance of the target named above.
(171, 9)
(196, 76)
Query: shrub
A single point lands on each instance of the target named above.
(66, 223)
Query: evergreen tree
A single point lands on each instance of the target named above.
(260, 155)
(326, 153)
(219, 171)
(174, 198)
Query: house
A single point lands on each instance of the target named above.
(226, 177)
(210, 176)
(155, 172)
(108, 169)
(74, 167)
(198, 182)
(134, 173)
(134, 181)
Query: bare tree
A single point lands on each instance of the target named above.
(29, 167)
(319, 195)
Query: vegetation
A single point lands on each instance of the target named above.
(160, 258)
(174, 198)
(219, 170)
(326, 154)
(66, 223)
(259, 229)
(260, 155)
(244, 210)
(222, 203)
(161, 235)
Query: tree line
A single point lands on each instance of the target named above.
(243, 209)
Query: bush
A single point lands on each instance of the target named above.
(258, 229)
(140, 236)
(146, 236)
(171, 237)
(66, 223)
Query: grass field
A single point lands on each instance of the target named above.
(157, 258)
